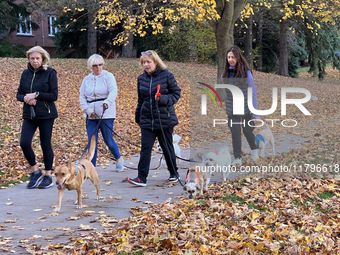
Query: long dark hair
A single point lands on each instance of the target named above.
(241, 67)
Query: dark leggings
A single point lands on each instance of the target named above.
(45, 129)
(148, 140)
(235, 130)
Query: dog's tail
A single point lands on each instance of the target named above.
(92, 148)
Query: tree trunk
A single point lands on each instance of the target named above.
(248, 52)
(223, 28)
(283, 59)
(91, 35)
(259, 42)
(127, 51)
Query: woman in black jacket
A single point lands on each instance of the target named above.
(38, 90)
(238, 73)
(155, 114)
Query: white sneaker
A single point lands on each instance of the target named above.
(120, 165)
(254, 155)
(237, 161)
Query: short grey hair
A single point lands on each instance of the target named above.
(44, 54)
(94, 59)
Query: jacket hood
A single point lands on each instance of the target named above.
(92, 76)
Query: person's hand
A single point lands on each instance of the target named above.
(93, 116)
(157, 98)
(30, 99)
(32, 102)
(105, 105)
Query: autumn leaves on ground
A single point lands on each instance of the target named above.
(298, 214)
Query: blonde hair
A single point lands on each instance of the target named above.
(44, 54)
(93, 59)
(154, 56)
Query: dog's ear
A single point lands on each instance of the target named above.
(185, 187)
(69, 164)
(56, 161)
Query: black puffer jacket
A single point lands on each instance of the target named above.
(146, 112)
(46, 83)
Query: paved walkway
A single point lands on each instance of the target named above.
(27, 217)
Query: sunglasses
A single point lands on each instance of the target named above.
(146, 52)
(101, 64)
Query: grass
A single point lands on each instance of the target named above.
(325, 195)
(306, 69)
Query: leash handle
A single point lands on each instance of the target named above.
(158, 88)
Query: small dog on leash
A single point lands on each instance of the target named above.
(264, 137)
(215, 161)
(191, 186)
(175, 142)
(198, 177)
(72, 176)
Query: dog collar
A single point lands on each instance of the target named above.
(258, 139)
(78, 163)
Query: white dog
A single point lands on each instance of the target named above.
(214, 162)
(175, 141)
(264, 137)
(191, 186)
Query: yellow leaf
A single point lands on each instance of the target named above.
(318, 228)
(204, 248)
(255, 215)
(259, 246)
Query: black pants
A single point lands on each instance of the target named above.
(148, 140)
(235, 123)
(45, 129)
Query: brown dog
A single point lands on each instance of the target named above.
(72, 176)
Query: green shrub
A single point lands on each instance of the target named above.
(8, 49)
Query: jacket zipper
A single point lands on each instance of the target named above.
(32, 88)
(94, 92)
(152, 121)
(47, 106)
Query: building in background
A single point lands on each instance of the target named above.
(41, 37)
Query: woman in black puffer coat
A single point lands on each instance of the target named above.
(38, 90)
(155, 114)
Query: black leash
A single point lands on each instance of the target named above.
(133, 168)
(184, 159)
(166, 145)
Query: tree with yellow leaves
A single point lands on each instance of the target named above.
(137, 15)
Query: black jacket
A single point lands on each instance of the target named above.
(241, 83)
(147, 112)
(46, 83)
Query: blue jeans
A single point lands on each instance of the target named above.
(106, 127)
